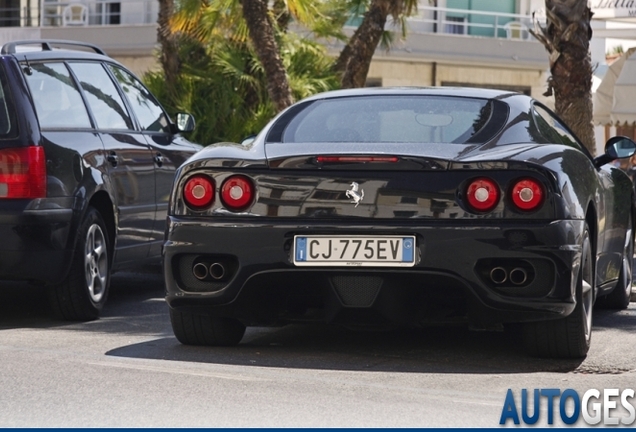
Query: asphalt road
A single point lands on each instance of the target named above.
(128, 370)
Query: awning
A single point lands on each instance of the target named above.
(615, 98)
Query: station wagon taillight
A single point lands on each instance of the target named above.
(198, 192)
(23, 172)
(527, 194)
(237, 193)
(482, 194)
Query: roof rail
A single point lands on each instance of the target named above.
(10, 47)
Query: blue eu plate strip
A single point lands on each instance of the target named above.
(407, 249)
(301, 249)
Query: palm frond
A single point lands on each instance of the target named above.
(305, 11)
(386, 40)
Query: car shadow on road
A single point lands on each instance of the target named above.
(137, 294)
(23, 305)
(622, 320)
(431, 350)
(136, 307)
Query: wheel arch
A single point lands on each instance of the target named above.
(633, 207)
(591, 217)
(103, 204)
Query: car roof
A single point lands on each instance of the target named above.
(416, 91)
(53, 50)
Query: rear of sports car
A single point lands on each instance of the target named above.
(366, 232)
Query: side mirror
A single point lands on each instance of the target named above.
(185, 122)
(248, 140)
(618, 147)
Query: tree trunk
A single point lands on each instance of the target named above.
(567, 38)
(169, 48)
(355, 58)
(261, 32)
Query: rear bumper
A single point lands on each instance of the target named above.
(37, 244)
(264, 286)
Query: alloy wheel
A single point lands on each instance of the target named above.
(96, 263)
(587, 294)
(628, 254)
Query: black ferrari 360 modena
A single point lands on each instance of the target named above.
(402, 207)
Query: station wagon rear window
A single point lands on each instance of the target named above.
(399, 119)
(8, 123)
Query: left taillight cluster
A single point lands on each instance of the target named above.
(483, 194)
(23, 172)
(236, 192)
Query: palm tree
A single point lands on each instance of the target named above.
(223, 84)
(251, 19)
(264, 27)
(355, 58)
(566, 36)
(261, 30)
(168, 55)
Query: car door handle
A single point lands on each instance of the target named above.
(113, 158)
(159, 159)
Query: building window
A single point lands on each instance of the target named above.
(10, 13)
(455, 25)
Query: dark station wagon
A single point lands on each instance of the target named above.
(87, 159)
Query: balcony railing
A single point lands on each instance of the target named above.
(81, 13)
(429, 19)
(433, 19)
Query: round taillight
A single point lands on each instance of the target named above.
(482, 194)
(527, 194)
(237, 193)
(198, 192)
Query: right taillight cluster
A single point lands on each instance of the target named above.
(236, 192)
(483, 194)
(527, 194)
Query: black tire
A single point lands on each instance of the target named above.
(82, 295)
(567, 337)
(619, 297)
(192, 329)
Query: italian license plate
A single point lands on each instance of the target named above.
(354, 251)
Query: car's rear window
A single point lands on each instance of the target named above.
(8, 123)
(402, 119)
(58, 101)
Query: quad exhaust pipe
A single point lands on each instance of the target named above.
(498, 275)
(202, 271)
(516, 276)
(217, 270)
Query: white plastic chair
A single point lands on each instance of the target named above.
(516, 30)
(75, 14)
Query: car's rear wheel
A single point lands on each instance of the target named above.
(620, 296)
(193, 329)
(568, 337)
(82, 295)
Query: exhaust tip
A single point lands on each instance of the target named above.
(200, 271)
(518, 276)
(217, 271)
(498, 275)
